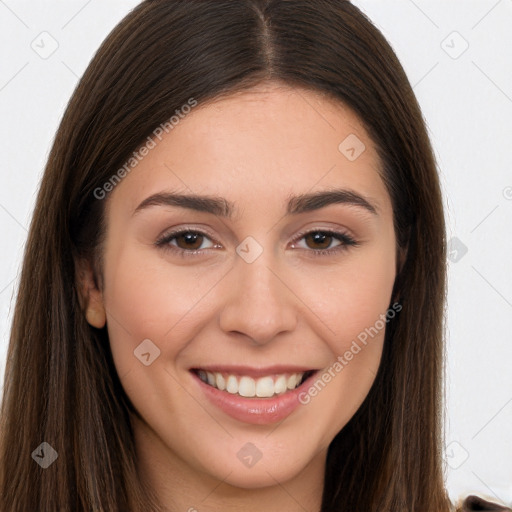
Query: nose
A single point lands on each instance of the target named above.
(258, 301)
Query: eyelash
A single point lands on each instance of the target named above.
(346, 242)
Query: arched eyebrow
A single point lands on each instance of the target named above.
(221, 207)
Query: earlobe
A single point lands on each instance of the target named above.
(96, 316)
(91, 297)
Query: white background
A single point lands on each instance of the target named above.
(466, 98)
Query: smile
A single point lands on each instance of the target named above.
(249, 387)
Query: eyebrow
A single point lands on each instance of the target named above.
(221, 207)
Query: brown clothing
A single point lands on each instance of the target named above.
(474, 503)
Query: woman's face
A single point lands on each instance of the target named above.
(252, 246)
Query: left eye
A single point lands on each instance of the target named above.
(321, 241)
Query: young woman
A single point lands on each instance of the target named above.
(233, 286)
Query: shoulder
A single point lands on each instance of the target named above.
(475, 503)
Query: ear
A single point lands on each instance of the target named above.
(90, 295)
(401, 257)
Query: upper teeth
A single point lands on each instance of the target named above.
(263, 387)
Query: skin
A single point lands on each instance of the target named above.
(255, 149)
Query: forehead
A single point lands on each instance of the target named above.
(260, 145)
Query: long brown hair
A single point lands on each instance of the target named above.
(61, 386)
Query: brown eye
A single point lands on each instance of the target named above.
(325, 242)
(189, 240)
(186, 242)
(318, 240)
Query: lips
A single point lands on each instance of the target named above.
(257, 396)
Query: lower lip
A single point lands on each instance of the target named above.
(258, 411)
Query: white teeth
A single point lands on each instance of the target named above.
(220, 382)
(247, 387)
(280, 384)
(232, 385)
(264, 387)
(292, 382)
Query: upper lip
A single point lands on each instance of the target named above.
(255, 372)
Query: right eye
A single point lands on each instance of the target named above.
(186, 242)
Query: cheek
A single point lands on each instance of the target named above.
(150, 299)
(352, 314)
(358, 292)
